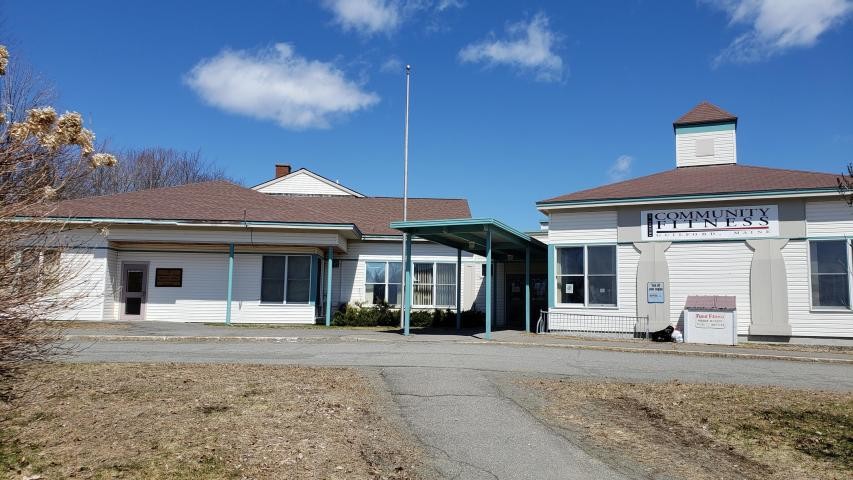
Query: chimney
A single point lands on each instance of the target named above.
(282, 169)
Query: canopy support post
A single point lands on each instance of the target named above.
(407, 268)
(458, 289)
(329, 265)
(527, 289)
(488, 334)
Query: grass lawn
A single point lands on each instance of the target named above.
(203, 422)
(709, 431)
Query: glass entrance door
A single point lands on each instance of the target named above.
(134, 285)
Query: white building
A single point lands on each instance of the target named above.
(779, 241)
(216, 252)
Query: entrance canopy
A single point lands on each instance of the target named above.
(486, 237)
(470, 235)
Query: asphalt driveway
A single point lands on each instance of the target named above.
(458, 398)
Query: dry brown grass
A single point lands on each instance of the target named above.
(710, 431)
(203, 422)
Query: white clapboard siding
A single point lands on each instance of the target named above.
(246, 304)
(473, 293)
(710, 268)
(627, 258)
(84, 272)
(112, 294)
(806, 322)
(582, 227)
(201, 298)
(831, 218)
(725, 148)
(302, 183)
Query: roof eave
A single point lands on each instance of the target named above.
(546, 205)
(200, 223)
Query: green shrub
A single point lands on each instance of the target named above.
(383, 315)
(371, 316)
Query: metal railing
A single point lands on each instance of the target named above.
(589, 325)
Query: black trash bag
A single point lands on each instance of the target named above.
(664, 335)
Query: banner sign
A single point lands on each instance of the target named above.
(711, 223)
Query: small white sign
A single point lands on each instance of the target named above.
(710, 223)
(655, 292)
(710, 327)
(711, 319)
(570, 288)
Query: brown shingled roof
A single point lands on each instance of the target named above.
(704, 112)
(225, 202)
(708, 179)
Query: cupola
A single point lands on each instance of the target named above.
(706, 135)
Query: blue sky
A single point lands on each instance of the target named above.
(511, 102)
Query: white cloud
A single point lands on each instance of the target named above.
(366, 16)
(621, 168)
(392, 65)
(529, 47)
(776, 26)
(277, 84)
(443, 5)
(369, 17)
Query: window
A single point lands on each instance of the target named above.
(383, 283)
(434, 285)
(423, 284)
(830, 273)
(445, 284)
(298, 279)
(586, 275)
(285, 279)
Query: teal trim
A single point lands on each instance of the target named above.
(458, 289)
(716, 127)
(488, 334)
(214, 252)
(210, 223)
(527, 290)
(312, 292)
(678, 198)
(552, 276)
(455, 222)
(407, 268)
(230, 284)
(329, 267)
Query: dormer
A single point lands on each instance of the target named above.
(706, 135)
(303, 182)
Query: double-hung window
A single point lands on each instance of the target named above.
(586, 275)
(286, 279)
(829, 263)
(383, 283)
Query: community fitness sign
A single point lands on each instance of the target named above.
(711, 223)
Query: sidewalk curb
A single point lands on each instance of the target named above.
(347, 338)
(695, 353)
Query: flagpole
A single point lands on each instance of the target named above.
(405, 194)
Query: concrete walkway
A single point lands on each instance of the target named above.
(458, 394)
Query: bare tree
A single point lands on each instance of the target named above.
(40, 153)
(141, 169)
(845, 184)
